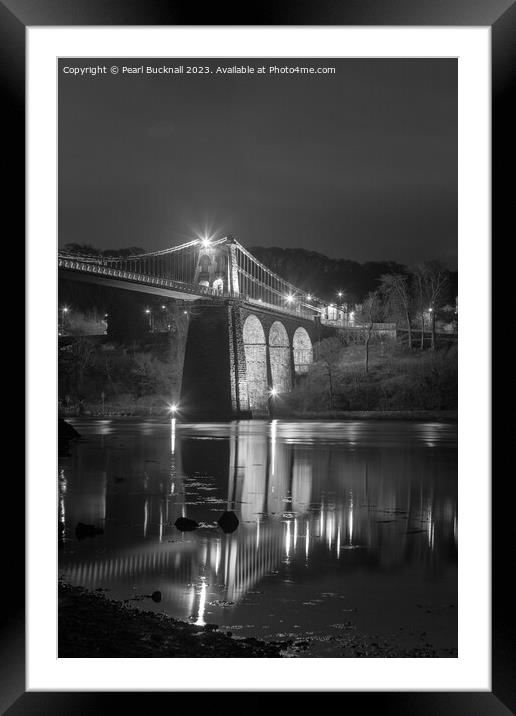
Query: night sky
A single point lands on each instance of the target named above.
(358, 165)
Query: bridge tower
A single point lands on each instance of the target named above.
(217, 267)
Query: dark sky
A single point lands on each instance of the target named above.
(361, 164)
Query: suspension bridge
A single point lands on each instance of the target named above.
(251, 335)
(201, 268)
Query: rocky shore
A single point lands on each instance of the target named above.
(91, 625)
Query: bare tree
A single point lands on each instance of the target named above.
(418, 284)
(396, 289)
(370, 313)
(83, 356)
(329, 354)
(435, 280)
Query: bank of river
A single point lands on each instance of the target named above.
(92, 625)
(436, 415)
(117, 630)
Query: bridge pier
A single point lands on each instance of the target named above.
(229, 368)
(237, 363)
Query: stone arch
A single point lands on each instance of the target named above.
(256, 364)
(303, 351)
(279, 351)
(204, 263)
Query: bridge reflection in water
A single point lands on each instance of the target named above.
(317, 503)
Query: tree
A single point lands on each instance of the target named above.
(435, 281)
(81, 249)
(396, 289)
(82, 357)
(370, 313)
(329, 354)
(418, 287)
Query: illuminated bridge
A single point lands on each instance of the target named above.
(250, 335)
(220, 268)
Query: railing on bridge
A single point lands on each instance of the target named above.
(101, 269)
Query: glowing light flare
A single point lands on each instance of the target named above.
(62, 510)
(217, 557)
(173, 435)
(145, 517)
(192, 596)
(274, 424)
(430, 527)
(273, 392)
(329, 530)
(289, 298)
(287, 540)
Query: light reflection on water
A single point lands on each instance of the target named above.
(334, 517)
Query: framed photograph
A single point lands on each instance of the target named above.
(255, 420)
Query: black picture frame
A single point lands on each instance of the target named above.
(500, 15)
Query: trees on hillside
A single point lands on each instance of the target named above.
(371, 312)
(329, 354)
(420, 293)
(395, 288)
(435, 281)
(89, 250)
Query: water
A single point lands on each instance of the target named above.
(347, 534)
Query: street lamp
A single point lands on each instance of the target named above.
(273, 393)
(64, 310)
(173, 408)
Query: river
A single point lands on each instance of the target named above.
(347, 530)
